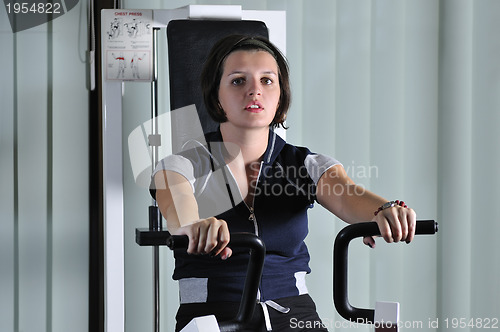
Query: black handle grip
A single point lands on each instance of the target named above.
(252, 281)
(340, 255)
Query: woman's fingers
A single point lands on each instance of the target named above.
(203, 237)
(222, 242)
(226, 253)
(193, 235)
(397, 224)
(369, 241)
(207, 236)
(412, 224)
(385, 226)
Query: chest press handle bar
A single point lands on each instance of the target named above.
(252, 281)
(340, 255)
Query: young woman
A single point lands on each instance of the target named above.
(247, 179)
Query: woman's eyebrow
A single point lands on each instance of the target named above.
(265, 72)
(269, 72)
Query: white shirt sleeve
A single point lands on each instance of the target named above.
(178, 164)
(317, 164)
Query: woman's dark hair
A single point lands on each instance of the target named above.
(214, 66)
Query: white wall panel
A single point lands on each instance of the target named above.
(44, 176)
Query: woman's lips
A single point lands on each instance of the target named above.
(254, 107)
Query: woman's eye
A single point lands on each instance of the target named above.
(238, 81)
(266, 81)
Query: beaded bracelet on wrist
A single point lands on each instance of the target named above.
(390, 204)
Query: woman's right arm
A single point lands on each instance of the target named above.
(178, 205)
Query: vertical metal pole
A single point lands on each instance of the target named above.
(154, 102)
(155, 217)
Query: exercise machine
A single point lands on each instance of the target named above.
(384, 318)
(124, 61)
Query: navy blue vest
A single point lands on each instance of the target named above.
(285, 191)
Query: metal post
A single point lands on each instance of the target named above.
(154, 214)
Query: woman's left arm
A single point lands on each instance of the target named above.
(353, 203)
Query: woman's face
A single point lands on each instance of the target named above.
(249, 89)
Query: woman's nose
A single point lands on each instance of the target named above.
(254, 89)
(255, 93)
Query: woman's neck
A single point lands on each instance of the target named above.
(251, 142)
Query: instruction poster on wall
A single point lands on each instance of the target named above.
(127, 39)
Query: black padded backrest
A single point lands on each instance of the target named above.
(189, 42)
